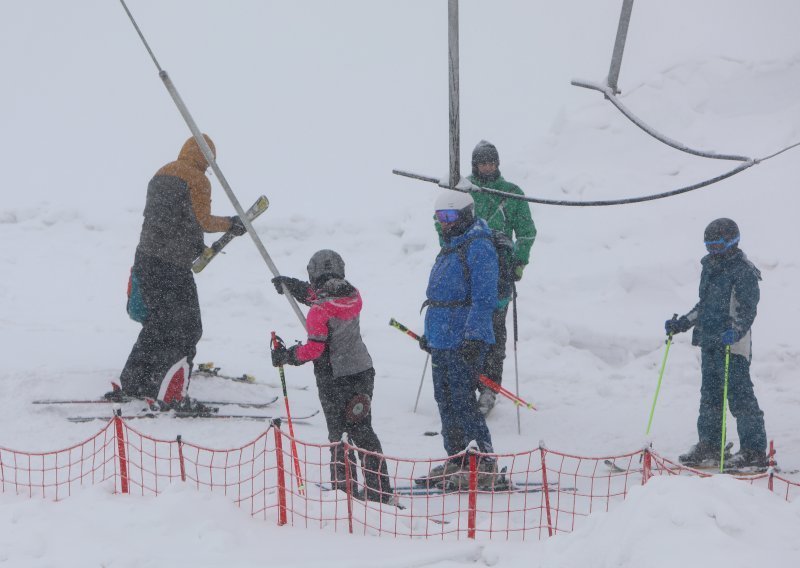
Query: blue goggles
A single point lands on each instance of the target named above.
(447, 215)
(720, 245)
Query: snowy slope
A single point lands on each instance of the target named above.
(313, 103)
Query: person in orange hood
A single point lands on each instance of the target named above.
(163, 294)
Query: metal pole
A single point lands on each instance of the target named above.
(422, 380)
(516, 362)
(209, 156)
(452, 45)
(619, 44)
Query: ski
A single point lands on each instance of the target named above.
(417, 490)
(209, 253)
(201, 416)
(56, 401)
(209, 370)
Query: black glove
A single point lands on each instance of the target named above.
(237, 227)
(282, 356)
(297, 288)
(423, 344)
(677, 325)
(471, 350)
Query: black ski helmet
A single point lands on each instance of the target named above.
(721, 235)
(485, 152)
(325, 264)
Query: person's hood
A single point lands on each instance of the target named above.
(191, 153)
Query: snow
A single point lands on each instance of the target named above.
(313, 104)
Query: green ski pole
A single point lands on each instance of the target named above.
(724, 408)
(658, 386)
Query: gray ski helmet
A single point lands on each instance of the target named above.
(325, 264)
(720, 235)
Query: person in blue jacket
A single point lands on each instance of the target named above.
(729, 294)
(461, 298)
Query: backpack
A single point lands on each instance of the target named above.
(504, 247)
(136, 307)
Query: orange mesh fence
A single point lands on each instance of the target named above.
(55, 475)
(533, 494)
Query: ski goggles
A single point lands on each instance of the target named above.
(720, 245)
(447, 215)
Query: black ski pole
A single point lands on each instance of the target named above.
(516, 363)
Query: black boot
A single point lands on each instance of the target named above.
(746, 458)
(700, 454)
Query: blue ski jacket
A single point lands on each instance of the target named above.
(462, 290)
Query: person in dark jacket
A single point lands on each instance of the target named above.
(343, 369)
(723, 317)
(461, 298)
(177, 212)
(513, 218)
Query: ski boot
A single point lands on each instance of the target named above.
(439, 474)
(748, 460)
(700, 455)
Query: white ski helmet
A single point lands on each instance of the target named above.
(455, 200)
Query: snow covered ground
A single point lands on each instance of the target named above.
(313, 103)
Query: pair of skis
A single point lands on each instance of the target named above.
(256, 209)
(205, 415)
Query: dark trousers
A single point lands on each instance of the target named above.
(741, 400)
(493, 365)
(334, 395)
(454, 384)
(171, 329)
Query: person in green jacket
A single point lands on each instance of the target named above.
(512, 217)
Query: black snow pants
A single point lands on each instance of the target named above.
(171, 329)
(334, 395)
(493, 364)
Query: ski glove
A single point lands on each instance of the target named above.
(518, 269)
(471, 351)
(677, 325)
(282, 356)
(297, 288)
(729, 337)
(237, 227)
(423, 344)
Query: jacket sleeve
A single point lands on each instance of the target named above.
(317, 325)
(521, 222)
(482, 260)
(200, 190)
(744, 300)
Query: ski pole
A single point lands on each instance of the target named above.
(506, 393)
(658, 386)
(422, 380)
(516, 362)
(397, 325)
(212, 162)
(724, 408)
(483, 378)
(277, 343)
